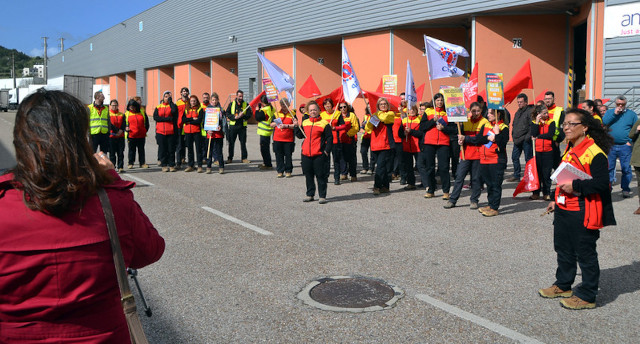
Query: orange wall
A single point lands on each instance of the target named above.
(131, 86)
(283, 58)
(223, 81)
(121, 90)
(369, 55)
(327, 75)
(543, 43)
(151, 97)
(181, 79)
(200, 80)
(165, 75)
(409, 44)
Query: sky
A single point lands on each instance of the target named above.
(25, 22)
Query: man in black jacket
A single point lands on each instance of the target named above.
(521, 135)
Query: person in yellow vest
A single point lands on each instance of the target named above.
(347, 138)
(580, 208)
(556, 113)
(591, 107)
(265, 116)
(117, 126)
(99, 123)
(136, 128)
(180, 138)
(238, 113)
(493, 159)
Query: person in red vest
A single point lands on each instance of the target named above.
(215, 138)
(166, 115)
(136, 128)
(556, 113)
(542, 129)
(192, 118)
(117, 125)
(493, 159)
(180, 138)
(315, 152)
(410, 134)
(381, 124)
(283, 139)
(365, 145)
(581, 207)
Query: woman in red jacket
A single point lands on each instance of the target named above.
(410, 136)
(137, 126)
(381, 124)
(215, 138)
(283, 139)
(542, 129)
(52, 226)
(192, 125)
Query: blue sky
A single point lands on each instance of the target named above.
(24, 22)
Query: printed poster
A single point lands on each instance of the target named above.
(454, 102)
(270, 90)
(495, 91)
(390, 84)
(212, 118)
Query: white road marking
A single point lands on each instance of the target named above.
(238, 221)
(139, 180)
(497, 328)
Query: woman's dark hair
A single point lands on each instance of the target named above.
(594, 129)
(538, 109)
(328, 100)
(475, 104)
(55, 167)
(133, 106)
(593, 106)
(438, 96)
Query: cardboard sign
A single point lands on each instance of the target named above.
(495, 92)
(270, 90)
(212, 118)
(454, 102)
(390, 84)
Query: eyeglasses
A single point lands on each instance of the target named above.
(384, 104)
(570, 124)
(343, 107)
(621, 104)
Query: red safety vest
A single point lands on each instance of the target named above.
(313, 129)
(117, 119)
(164, 128)
(135, 122)
(434, 136)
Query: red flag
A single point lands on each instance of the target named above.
(540, 96)
(379, 89)
(256, 100)
(309, 89)
(372, 97)
(419, 92)
(520, 81)
(335, 95)
(530, 182)
(471, 90)
(605, 100)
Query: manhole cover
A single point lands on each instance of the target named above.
(350, 294)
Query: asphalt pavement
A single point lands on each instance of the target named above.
(242, 245)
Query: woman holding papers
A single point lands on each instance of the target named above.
(542, 130)
(582, 207)
(192, 126)
(380, 125)
(346, 138)
(493, 159)
(410, 134)
(215, 138)
(315, 152)
(283, 141)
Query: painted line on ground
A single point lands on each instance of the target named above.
(497, 328)
(139, 180)
(238, 221)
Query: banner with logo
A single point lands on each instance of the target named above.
(454, 102)
(495, 92)
(212, 118)
(622, 20)
(390, 84)
(270, 89)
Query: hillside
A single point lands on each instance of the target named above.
(22, 60)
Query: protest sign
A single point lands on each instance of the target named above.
(454, 102)
(270, 89)
(212, 118)
(390, 84)
(495, 94)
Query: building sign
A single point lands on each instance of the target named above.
(622, 20)
(517, 43)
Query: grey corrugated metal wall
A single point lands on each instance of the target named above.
(177, 31)
(621, 61)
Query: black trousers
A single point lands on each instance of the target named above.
(365, 145)
(464, 167)
(556, 154)
(190, 139)
(407, 168)
(384, 161)
(100, 142)
(265, 151)
(166, 149)
(397, 159)
(136, 144)
(349, 161)
(493, 176)
(214, 151)
(427, 167)
(544, 162)
(238, 133)
(284, 152)
(116, 151)
(336, 154)
(575, 243)
(454, 155)
(315, 167)
(180, 148)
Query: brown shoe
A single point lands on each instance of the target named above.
(490, 212)
(428, 195)
(343, 177)
(576, 303)
(322, 201)
(172, 169)
(445, 196)
(637, 212)
(199, 169)
(288, 175)
(546, 197)
(534, 197)
(553, 291)
(384, 190)
(221, 170)
(246, 161)
(280, 175)
(216, 163)
(229, 161)
(354, 179)
(144, 166)
(120, 170)
(307, 199)
(165, 169)
(376, 191)
(483, 209)
(188, 169)
(208, 170)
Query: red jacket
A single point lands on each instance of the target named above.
(285, 134)
(138, 124)
(433, 136)
(57, 278)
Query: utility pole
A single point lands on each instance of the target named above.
(13, 72)
(61, 44)
(45, 60)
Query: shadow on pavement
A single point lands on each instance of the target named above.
(7, 160)
(618, 281)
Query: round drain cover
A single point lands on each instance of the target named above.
(350, 294)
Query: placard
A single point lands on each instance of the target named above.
(212, 118)
(390, 84)
(495, 93)
(270, 90)
(454, 102)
